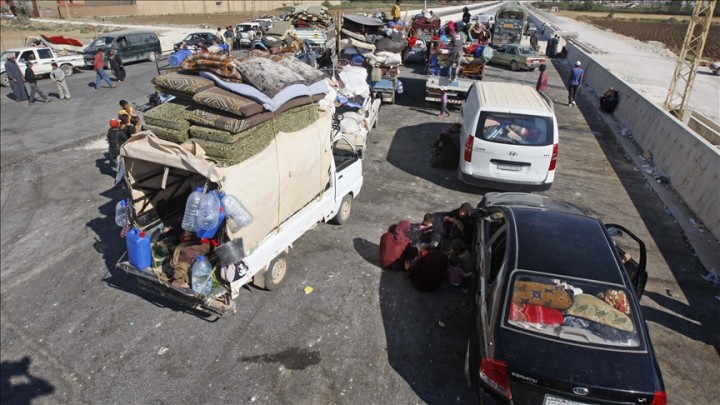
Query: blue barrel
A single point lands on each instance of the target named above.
(138, 248)
(176, 58)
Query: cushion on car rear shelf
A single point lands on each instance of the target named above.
(592, 308)
(546, 295)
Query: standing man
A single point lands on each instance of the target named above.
(534, 41)
(228, 34)
(58, 76)
(396, 11)
(576, 78)
(99, 65)
(32, 81)
(15, 77)
(457, 42)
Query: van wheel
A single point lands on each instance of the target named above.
(152, 56)
(4, 80)
(344, 212)
(531, 69)
(276, 272)
(514, 66)
(67, 69)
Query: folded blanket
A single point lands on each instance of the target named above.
(182, 83)
(270, 104)
(216, 119)
(309, 73)
(170, 115)
(168, 134)
(229, 102)
(267, 76)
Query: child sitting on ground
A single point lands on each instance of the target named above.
(426, 229)
(459, 264)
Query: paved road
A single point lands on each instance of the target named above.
(75, 330)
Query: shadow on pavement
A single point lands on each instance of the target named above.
(18, 386)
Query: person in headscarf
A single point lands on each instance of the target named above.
(427, 270)
(16, 78)
(466, 16)
(457, 224)
(395, 246)
(116, 65)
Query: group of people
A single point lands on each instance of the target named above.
(121, 128)
(18, 79)
(434, 254)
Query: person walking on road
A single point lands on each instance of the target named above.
(58, 76)
(15, 77)
(116, 65)
(542, 83)
(576, 78)
(534, 41)
(32, 81)
(100, 74)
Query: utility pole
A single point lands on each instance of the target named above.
(689, 58)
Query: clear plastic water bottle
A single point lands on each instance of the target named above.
(236, 210)
(208, 211)
(120, 214)
(189, 222)
(201, 282)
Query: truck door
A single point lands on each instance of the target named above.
(348, 165)
(45, 57)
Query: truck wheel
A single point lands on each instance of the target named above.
(276, 272)
(4, 81)
(67, 69)
(152, 56)
(344, 212)
(514, 66)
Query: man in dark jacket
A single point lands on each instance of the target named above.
(15, 77)
(32, 81)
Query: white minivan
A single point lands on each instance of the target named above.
(509, 137)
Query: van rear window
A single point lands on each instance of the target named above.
(515, 129)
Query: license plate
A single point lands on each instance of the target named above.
(551, 400)
(510, 167)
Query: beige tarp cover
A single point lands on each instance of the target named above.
(273, 184)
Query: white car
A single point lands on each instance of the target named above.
(509, 137)
(487, 20)
(247, 33)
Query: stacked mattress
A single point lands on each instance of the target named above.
(233, 107)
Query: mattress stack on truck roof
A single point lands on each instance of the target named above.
(234, 107)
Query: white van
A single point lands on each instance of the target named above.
(509, 137)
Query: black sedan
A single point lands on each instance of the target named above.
(196, 38)
(556, 317)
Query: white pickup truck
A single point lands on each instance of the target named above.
(303, 178)
(41, 58)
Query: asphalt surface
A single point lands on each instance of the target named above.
(76, 330)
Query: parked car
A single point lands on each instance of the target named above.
(517, 57)
(556, 313)
(195, 38)
(509, 137)
(485, 19)
(247, 33)
(265, 23)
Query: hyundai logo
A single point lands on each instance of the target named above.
(581, 390)
(511, 153)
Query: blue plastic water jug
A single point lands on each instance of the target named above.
(138, 248)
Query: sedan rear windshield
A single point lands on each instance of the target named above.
(572, 310)
(515, 129)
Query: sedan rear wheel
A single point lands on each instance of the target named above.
(514, 66)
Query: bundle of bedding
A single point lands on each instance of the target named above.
(235, 113)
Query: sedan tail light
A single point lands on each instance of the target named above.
(494, 374)
(553, 159)
(468, 148)
(660, 398)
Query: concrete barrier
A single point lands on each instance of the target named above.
(690, 162)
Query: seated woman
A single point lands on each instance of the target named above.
(393, 246)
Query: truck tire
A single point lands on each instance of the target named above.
(276, 272)
(4, 81)
(152, 56)
(344, 212)
(67, 69)
(514, 66)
